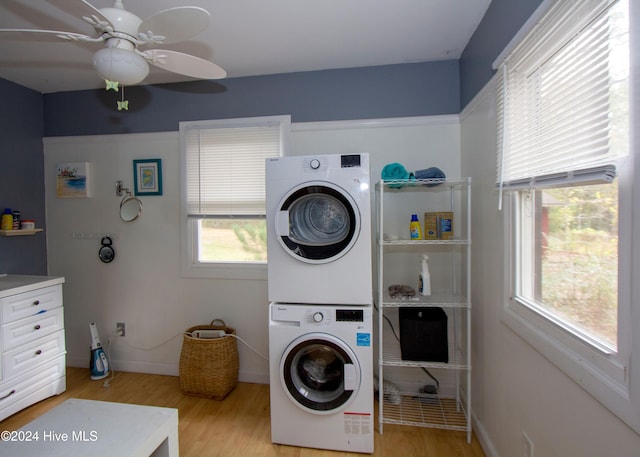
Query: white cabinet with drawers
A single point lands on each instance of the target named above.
(32, 346)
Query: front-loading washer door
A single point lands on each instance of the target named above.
(320, 373)
(317, 222)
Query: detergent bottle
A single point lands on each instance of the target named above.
(414, 228)
(424, 282)
(7, 220)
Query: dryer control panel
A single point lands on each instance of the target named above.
(350, 160)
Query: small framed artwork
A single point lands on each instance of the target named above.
(73, 180)
(147, 177)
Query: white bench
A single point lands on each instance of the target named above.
(96, 428)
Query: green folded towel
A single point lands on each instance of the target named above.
(396, 172)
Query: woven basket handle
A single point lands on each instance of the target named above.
(218, 320)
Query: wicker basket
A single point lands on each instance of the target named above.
(209, 367)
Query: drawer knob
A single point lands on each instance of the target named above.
(36, 303)
(39, 351)
(8, 395)
(37, 327)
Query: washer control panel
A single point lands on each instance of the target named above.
(349, 315)
(321, 316)
(318, 316)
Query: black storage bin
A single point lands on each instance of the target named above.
(423, 334)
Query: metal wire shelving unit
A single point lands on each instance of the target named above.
(450, 410)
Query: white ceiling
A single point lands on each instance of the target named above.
(248, 37)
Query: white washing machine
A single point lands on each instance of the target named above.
(321, 376)
(319, 229)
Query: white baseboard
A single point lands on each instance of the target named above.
(483, 437)
(253, 377)
(168, 369)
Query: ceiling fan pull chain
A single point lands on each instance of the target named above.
(124, 104)
(111, 85)
(114, 85)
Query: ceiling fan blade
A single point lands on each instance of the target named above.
(46, 35)
(80, 8)
(176, 24)
(184, 64)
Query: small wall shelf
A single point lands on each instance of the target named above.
(19, 232)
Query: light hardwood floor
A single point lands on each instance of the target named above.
(240, 424)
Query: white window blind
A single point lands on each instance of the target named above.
(225, 165)
(556, 96)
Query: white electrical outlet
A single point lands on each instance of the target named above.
(120, 328)
(527, 446)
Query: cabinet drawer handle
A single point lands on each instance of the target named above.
(36, 303)
(8, 395)
(39, 351)
(37, 327)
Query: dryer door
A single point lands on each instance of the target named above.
(320, 373)
(317, 222)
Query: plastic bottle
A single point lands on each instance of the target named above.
(424, 283)
(414, 228)
(7, 220)
(17, 220)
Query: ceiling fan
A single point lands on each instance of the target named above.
(121, 61)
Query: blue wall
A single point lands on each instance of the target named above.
(357, 93)
(500, 23)
(22, 176)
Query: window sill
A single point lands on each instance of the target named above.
(598, 373)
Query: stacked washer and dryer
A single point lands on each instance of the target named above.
(320, 289)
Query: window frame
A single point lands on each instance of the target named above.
(547, 332)
(605, 374)
(611, 377)
(525, 258)
(191, 266)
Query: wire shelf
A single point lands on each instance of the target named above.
(441, 300)
(406, 242)
(391, 357)
(424, 410)
(434, 184)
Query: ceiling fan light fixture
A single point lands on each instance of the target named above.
(121, 65)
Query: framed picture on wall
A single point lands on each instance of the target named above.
(73, 180)
(147, 177)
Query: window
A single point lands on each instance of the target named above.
(563, 168)
(567, 259)
(223, 188)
